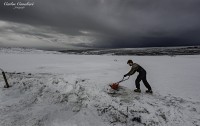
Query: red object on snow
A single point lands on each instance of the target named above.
(115, 86)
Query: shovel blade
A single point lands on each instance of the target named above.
(115, 86)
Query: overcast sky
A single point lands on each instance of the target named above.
(100, 23)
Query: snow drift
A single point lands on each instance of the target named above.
(72, 90)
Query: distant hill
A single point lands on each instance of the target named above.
(172, 51)
(191, 50)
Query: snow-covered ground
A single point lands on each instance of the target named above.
(54, 89)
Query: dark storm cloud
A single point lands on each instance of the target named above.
(115, 23)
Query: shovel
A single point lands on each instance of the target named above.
(115, 86)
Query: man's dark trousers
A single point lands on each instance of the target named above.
(142, 76)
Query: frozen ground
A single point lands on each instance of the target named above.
(54, 89)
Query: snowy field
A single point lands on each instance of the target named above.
(55, 89)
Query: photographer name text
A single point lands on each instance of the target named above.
(19, 5)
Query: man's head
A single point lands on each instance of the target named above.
(130, 62)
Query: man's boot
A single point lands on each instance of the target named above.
(149, 91)
(137, 90)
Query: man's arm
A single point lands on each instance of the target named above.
(132, 71)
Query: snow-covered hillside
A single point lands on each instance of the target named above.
(24, 50)
(52, 89)
(151, 51)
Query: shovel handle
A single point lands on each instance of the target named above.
(123, 79)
